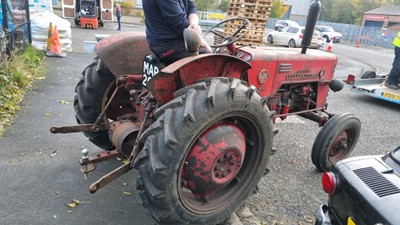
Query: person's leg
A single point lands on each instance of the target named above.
(395, 71)
(119, 22)
(171, 52)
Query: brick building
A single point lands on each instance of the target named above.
(385, 16)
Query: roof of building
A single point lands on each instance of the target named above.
(386, 10)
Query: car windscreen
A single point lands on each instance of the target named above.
(395, 155)
(328, 29)
(316, 33)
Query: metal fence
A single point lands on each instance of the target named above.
(15, 31)
(371, 36)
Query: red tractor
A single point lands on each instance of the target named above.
(200, 130)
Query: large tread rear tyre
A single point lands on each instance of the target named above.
(335, 141)
(91, 92)
(194, 111)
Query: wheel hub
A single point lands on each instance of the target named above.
(123, 135)
(339, 144)
(214, 160)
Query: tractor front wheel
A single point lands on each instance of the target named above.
(205, 154)
(335, 141)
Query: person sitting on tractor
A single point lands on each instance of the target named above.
(165, 22)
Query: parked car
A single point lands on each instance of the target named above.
(292, 37)
(281, 24)
(362, 190)
(329, 33)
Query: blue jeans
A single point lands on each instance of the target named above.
(394, 74)
(119, 22)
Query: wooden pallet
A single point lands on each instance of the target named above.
(256, 11)
(251, 1)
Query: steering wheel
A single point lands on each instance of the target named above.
(237, 35)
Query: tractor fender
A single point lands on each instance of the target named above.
(123, 53)
(189, 70)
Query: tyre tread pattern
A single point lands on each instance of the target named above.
(154, 162)
(319, 155)
(87, 101)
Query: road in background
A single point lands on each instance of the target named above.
(39, 171)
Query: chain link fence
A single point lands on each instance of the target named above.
(371, 36)
(15, 31)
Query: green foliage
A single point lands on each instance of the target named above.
(350, 11)
(17, 73)
(124, 5)
(342, 11)
(277, 9)
(223, 6)
(205, 5)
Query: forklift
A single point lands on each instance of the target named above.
(88, 14)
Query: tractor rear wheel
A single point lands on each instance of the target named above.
(205, 154)
(92, 94)
(335, 141)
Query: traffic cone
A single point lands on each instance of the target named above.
(55, 49)
(330, 46)
(49, 36)
(357, 43)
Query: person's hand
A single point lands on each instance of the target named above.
(196, 27)
(204, 44)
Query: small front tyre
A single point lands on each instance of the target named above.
(335, 141)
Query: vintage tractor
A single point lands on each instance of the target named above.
(200, 130)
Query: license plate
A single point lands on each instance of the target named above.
(151, 66)
(391, 96)
(350, 221)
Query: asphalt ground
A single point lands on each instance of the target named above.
(40, 172)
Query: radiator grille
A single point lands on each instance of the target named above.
(376, 181)
(284, 68)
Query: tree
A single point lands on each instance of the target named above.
(342, 11)
(223, 6)
(326, 10)
(277, 9)
(205, 5)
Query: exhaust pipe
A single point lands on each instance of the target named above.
(312, 17)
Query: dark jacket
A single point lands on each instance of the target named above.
(166, 19)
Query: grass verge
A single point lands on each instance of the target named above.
(17, 73)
